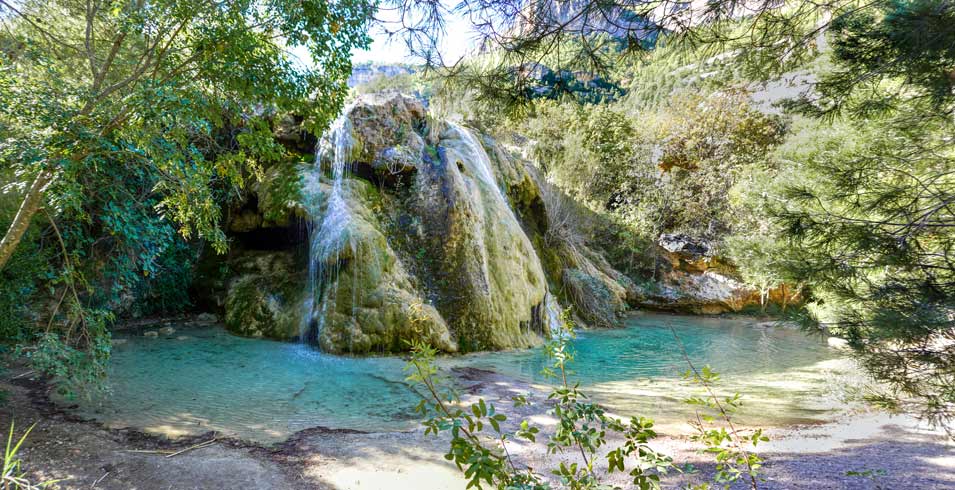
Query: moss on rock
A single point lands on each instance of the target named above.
(372, 304)
(280, 193)
(264, 297)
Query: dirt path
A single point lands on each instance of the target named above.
(897, 454)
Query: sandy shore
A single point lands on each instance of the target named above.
(893, 450)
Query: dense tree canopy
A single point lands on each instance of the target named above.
(124, 123)
(873, 222)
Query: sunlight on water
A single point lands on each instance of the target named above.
(784, 375)
(202, 379)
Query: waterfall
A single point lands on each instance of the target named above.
(329, 235)
(552, 314)
(485, 174)
(337, 229)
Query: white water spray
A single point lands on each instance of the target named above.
(331, 235)
(485, 174)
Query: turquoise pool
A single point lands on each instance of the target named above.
(201, 379)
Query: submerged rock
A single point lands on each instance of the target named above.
(207, 318)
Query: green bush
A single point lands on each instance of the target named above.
(20, 281)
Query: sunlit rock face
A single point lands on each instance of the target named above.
(432, 249)
(694, 279)
(405, 229)
(697, 280)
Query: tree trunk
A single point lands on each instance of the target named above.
(30, 205)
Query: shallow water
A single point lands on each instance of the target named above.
(784, 375)
(201, 379)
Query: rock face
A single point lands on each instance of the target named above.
(365, 73)
(371, 303)
(263, 295)
(706, 293)
(421, 230)
(433, 251)
(695, 280)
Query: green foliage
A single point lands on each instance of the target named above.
(480, 434)
(145, 119)
(733, 449)
(871, 236)
(706, 144)
(582, 427)
(870, 475)
(166, 289)
(862, 202)
(19, 283)
(917, 36)
(280, 189)
(583, 149)
(418, 83)
(670, 168)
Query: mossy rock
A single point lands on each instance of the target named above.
(595, 302)
(257, 306)
(264, 297)
(494, 277)
(372, 304)
(280, 193)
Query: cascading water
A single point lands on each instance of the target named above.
(552, 314)
(483, 160)
(338, 229)
(484, 172)
(331, 235)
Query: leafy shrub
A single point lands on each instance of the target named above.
(582, 427)
(19, 283)
(480, 436)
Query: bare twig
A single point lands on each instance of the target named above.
(194, 446)
(99, 480)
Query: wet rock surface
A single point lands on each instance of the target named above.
(436, 237)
